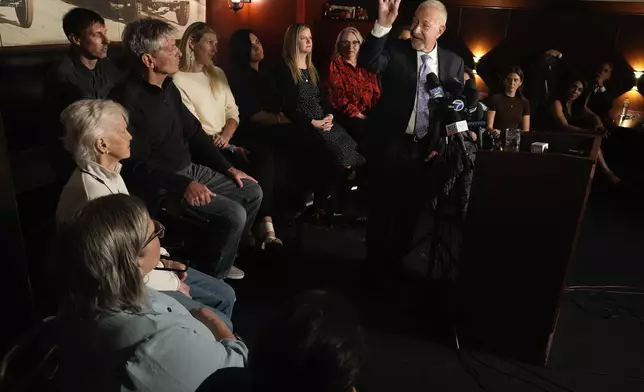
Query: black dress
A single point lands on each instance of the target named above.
(303, 103)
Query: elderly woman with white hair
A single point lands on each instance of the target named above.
(116, 333)
(353, 91)
(97, 137)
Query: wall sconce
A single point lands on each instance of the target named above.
(638, 75)
(476, 63)
(237, 5)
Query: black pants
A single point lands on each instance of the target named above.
(400, 183)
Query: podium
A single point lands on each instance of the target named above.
(522, 225)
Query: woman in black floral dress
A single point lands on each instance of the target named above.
(303, 102)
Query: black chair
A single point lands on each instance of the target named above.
(32, 363)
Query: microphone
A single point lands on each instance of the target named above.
(476, 124)
(434, 86)
(471, 93)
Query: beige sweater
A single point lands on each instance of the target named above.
(91, 181)
(212, 109)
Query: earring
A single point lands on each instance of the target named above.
(191, 57)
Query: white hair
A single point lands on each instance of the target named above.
(437, 5)
(87, 120)
(346, 31)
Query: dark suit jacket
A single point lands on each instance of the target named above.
(396, 62)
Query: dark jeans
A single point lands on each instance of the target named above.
(231, 213)
(207, 291)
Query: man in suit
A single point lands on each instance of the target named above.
(403, 147)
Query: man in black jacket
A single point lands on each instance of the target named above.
(84, 72)
(168, 141)
(402, 146)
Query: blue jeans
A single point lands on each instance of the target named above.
(231, 213)
(207, 291)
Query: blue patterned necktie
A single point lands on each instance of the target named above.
(422, 100)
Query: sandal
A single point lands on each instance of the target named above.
(271, 243)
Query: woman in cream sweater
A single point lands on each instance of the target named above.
(97, 137)
(206, 93)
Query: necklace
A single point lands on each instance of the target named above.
(99, 180)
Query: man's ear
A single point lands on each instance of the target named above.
(441, 30)
(148, 60)
(74, 39)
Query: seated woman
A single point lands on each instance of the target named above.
(569, 115)
(206, 92)
(297, 80)
(96, 135)
(509, 110)
(353, 91)
(116, 333)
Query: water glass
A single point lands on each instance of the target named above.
(512, 140)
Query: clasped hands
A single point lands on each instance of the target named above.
(198, 195)
(325, 124)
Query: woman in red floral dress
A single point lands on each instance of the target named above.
(353, 91)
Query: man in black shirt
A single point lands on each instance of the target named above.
(84, 73)
(168, 141)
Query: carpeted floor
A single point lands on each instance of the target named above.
(598, 342)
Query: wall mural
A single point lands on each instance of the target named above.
(39, 22)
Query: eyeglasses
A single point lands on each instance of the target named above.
(159, 232)
(347, 43)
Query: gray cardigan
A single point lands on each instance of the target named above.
(163, 348)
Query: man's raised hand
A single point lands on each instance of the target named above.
(387, 12)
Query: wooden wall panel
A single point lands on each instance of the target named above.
(481, 29)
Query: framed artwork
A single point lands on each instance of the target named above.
(39, 22)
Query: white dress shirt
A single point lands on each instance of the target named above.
(380, 31)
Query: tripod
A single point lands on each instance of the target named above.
(442, 261)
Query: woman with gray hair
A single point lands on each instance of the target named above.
(353, 91)
(97, 137)
(117, 333)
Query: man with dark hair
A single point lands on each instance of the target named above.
(168, 141)
(597, 98)
(84, 72)
(405, 32)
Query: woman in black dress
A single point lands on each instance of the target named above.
(570, 115)
(298, 81)
(304, 105)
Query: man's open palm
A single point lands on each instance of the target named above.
(387, 12)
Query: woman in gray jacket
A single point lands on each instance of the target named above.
(116, 333)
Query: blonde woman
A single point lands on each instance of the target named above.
(353, 91)
(206, 93)
(298, 81)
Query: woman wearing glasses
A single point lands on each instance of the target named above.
(116, 332)
(96, 135)
(353, 91)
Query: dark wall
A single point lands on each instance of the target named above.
(509, 32)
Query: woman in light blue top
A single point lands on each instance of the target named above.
(117, 333)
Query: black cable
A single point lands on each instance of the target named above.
(475, 376)
(540, 376)
(508, 374)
